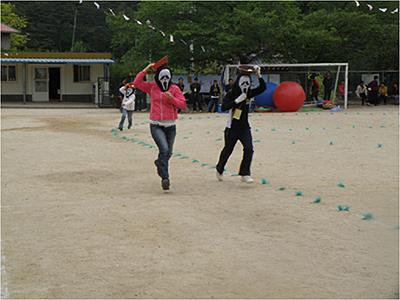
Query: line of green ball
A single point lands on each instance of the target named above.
(263, 181)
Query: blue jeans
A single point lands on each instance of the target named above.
(124, 114)
(213, 105)
(164, 138)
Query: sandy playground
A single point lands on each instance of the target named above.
(83, 214)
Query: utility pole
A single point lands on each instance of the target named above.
(74, 29)
(191, 49)
(192, 12)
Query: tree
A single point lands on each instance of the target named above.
(51, 25)
(221, 32)
(10, 18)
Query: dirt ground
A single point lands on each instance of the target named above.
(83, 214)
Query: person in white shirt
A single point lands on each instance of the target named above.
(362, 92)
(128, 105)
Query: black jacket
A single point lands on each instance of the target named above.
(328, 83)
(215, 91)
(229, 102)
(195, 87)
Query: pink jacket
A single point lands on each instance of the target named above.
(161, 108)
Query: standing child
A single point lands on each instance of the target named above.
(373, 88)
(237, 101)
(383, 93)
(215, 92)
(341, 90)
(362, 92)
(165, 100)
(195, 88)
(314, 87)
(127, 105)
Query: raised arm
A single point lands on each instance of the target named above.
(139, 83)
(258, 90)
(122, 90)
(261, 84)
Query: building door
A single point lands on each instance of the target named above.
(40, 85)
(54, 84)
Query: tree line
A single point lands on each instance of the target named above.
(220, 32)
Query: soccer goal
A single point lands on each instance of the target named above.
(304, 75)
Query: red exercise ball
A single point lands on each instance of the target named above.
(289, 96)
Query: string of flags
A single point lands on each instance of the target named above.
(149, 25)
(382, 9)
(191, 48)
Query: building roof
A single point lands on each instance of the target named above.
(7, 29)
(56, 61)
(75, 55)
(57, 57)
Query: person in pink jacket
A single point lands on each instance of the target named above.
(165, 100)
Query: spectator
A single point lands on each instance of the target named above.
(328, 85)
(215, 93)
(195, 88)
(141, 100)
(395, 92)
(314, 87)
(373, 91)
(383, 93)
(341, 90)
(181, 85)
(229, 86)
(362, 92)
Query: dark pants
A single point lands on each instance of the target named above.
(213, 105)
(196, 99)
(383, 99)
(373, 98)
(164, 138)
(327, 94)
(363, 98)
(315, 95)
(231, 137)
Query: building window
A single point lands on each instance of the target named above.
(81, 73)
(8, 73)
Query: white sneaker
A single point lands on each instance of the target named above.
(220, 177)
(247, 179)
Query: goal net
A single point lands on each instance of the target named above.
(304, 74)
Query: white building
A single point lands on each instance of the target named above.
(53, 76)
(5, 32)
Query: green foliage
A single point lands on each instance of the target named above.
(79, 46)
(286, 31)
(308, 31)
(50, 25)
(10, 18)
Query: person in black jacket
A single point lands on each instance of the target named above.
(328, 85)
(195, 88)
(215, 92)
(237, 101)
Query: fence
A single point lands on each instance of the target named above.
(389, 77)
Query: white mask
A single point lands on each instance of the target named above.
(164, 77)
(244, 84)
(129, 92)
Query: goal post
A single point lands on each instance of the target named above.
(299, 72)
